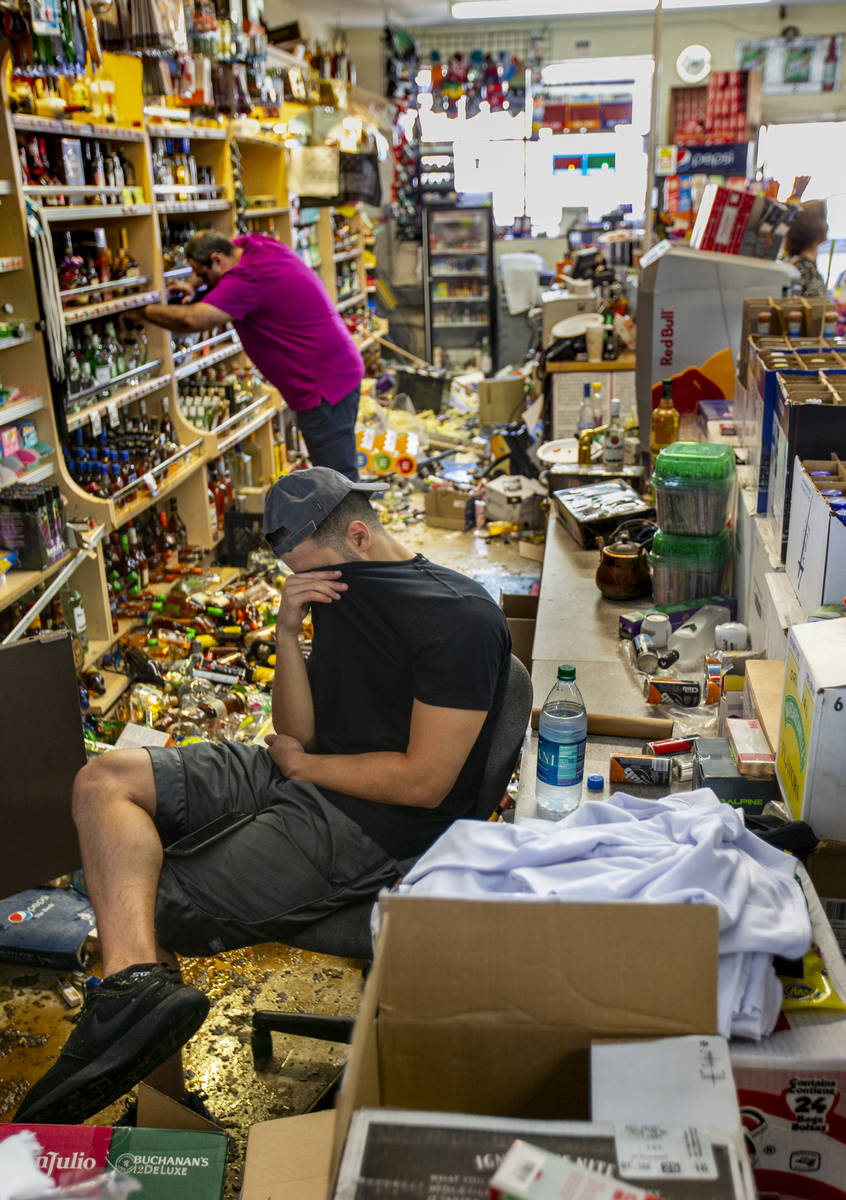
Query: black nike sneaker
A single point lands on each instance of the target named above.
(131, 1023)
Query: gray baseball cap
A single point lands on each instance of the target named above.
(299, 502)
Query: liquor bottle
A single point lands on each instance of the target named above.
(830, 67)
(176, 527)
(166, 428)
(71, 268)
(97, 360)
(665, 420)
(586, 414)
(113, 350)
(168, 548)
(215, 508)
(139, 558)
(73, 372)
(73, 610)
(124, 265)
(612, 449)
(599, 415)
(182, 173)
(98, 173)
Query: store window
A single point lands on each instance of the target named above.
(818, 149)
(578, 145)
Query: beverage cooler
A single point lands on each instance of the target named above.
(459, 294)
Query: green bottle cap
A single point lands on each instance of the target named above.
(567, 673)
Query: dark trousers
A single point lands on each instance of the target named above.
(329, 433)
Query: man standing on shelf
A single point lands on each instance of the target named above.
(287, 326)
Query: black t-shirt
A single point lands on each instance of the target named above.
(404, 631)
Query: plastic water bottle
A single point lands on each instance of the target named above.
(562, 734)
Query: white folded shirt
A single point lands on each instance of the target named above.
(685, 849)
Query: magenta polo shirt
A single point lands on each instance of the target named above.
(287, 324)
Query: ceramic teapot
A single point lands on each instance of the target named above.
(623, 571)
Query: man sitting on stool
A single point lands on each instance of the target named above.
(378, 748)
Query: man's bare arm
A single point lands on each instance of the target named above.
(186, 318)
(439, 742)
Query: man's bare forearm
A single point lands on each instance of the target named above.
(174, 317)
(384, 776)
(293, 707)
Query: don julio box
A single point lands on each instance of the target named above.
(170, 1164)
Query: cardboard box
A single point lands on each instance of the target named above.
(764, 562)
(427, 1155)
(792, 1089)
(501, 400)
(521, 613)
(38, 699)
(781, 611)
(517, 499)
(811, 758)
(449, 509)
(816, 540)
(170, 1164)
(826, 866)
(289, 1159)
(801, 430)
(420, 1041)
(764, 692)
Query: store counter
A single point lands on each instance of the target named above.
(625, 362)
(576, 624)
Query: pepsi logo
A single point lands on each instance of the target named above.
(16, 918)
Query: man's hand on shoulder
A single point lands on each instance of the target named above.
(286, 752)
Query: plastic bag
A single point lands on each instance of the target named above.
(813, 990)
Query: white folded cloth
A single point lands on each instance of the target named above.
(684, 849)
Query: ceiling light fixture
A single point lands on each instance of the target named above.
(478, 10)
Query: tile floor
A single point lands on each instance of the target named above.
(35, 1021)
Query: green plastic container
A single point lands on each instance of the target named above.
(694, 487)
(685, 567)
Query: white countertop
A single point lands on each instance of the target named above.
(577, 625)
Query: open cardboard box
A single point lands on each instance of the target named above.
(505, 1025)
(521, 614)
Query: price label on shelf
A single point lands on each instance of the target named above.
(150, 480)
(96, 422)
(114, 416)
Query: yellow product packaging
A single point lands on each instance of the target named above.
(813, 990)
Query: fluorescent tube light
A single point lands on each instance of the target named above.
(478, 10)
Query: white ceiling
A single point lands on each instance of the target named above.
(370, 14)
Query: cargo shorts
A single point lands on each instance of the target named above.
(299, 860)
